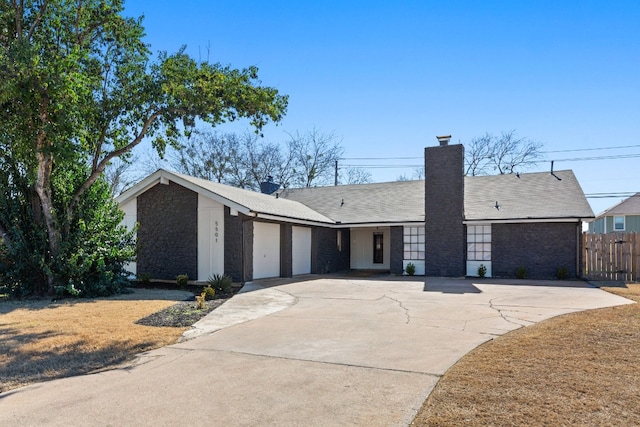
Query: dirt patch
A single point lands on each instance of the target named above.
(577, 369)
(42, 340)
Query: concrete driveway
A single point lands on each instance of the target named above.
(324, 351)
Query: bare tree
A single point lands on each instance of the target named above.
(357, 176)
(120, 175)
(314, 154)
(147, 162)
(503, 154)
(477, 155)
(418, 173)
(205, 155)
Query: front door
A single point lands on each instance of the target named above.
(378, 251)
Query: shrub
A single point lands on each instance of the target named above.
(65, 291)
(182, 280)
(209, 292)
(220, 282)
(200, 299)
(144, 278)
(482, 271)
(521, 272)
(562, 273)
(411, 269)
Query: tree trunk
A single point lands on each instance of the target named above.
(43, 189)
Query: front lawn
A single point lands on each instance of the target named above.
(577, 369)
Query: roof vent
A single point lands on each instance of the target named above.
(444, 140)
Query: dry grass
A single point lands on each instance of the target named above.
(42, 340)
(577, 369)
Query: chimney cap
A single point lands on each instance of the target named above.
(444, 139)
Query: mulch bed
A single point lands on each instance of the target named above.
(185, 313)
(181, 314)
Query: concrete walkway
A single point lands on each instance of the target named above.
(319, 352)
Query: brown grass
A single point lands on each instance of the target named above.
(578, 369)
(42, 340)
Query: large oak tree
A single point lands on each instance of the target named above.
(78, 89)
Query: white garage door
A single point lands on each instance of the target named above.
(266, 250)
(301, 250)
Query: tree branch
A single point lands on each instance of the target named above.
(36, 21)
(97, 171)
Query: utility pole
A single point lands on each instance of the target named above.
(336, 175)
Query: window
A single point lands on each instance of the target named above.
(479, 243)
(339, 240)
(378, 248)
(618, 223)
(414, 243)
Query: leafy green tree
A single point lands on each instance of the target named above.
(78, 87)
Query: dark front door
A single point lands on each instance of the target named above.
(378, 251)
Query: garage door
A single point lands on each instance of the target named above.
(301, 250)
(266, 250)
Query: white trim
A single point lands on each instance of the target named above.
(523, 220)
(163, 176)
(624, 223)
(289, 220)
(377, 224)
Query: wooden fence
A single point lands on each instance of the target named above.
(612, 256)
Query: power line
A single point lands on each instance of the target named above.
(591, 149)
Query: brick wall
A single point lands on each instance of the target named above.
(445, 245)
(540, 248)
(325, 256)
(397, 249)
(168, 232)
(233, 246)
(286, 250)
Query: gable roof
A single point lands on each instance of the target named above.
(537, 195)
(629, 206)
(245, 201)
(385, 202)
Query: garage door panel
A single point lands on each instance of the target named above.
(266, 250)
(301, 250)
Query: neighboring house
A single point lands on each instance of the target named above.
(446, 225)
(621, 218)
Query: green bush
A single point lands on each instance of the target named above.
(93, 247)
(562, 273)
(209, 292)
(411, 269)
(144, 278)
(482, 271)
(220, 282)
(182, 280)
(521, 272)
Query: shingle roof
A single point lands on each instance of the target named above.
(629, 206)
(250, 200)
(400, 201)
(531, 196)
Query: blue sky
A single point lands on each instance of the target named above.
(387, 77)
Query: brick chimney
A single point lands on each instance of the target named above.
(444, 209)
